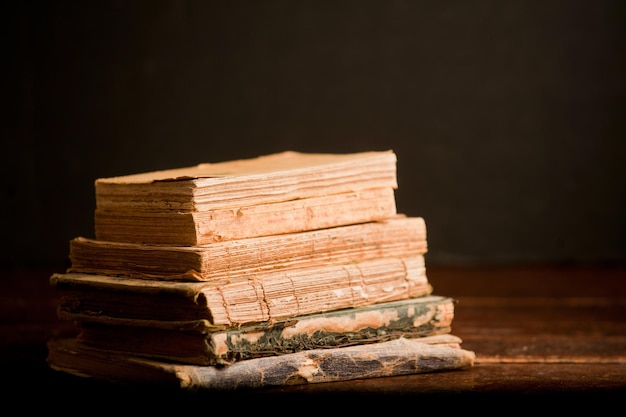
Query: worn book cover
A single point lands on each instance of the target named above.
(392, 358)
(258, 297)
(397, 236)
(196, 344)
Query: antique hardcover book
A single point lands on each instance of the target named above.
(411, 318)
(255, 297)
(392, 358)
(268, 195)
(396, 236)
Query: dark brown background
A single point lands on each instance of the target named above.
(507, 116)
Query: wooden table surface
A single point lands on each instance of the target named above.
(539, 333)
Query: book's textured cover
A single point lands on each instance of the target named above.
(393, 358)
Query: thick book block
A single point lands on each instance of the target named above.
(396, 236)
(281, 193)
(259, 297)
(266, 179)
(240, 222)
(412, 318)
(393, 358)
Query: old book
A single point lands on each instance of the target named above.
(274, 194)
(396, 236)
(420, 317)
(200, 227)
(266, 179)
(258, 297)
(393, 358)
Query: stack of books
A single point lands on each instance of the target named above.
(288, 268)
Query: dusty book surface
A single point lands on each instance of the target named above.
(259, 297)
(396, 236)
(265, 179)
(412, 318)
(396, 357)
